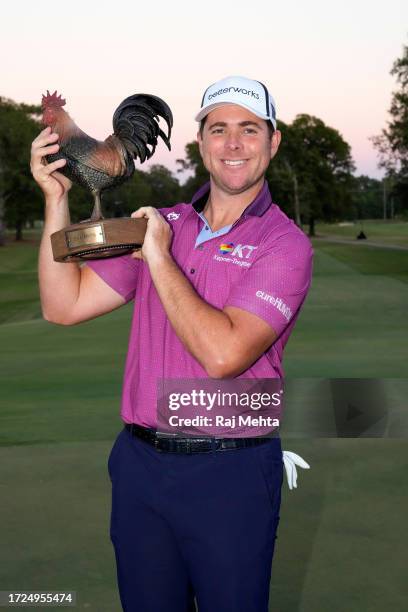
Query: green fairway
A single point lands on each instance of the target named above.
(340, 544)
(388, 232)
(19, 298)
(55, 534)
(354, 323)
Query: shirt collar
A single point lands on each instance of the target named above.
(255, 209)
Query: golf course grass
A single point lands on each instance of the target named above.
(340, 543)
(387, 232)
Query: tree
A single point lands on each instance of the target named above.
(392, 143)
(157, 187)
(123, 200)
(311, 174)
(165, 188)
(20, 199)
(368, 198)
(283, 173)
(193, 163)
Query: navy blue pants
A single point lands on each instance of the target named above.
(197, 526)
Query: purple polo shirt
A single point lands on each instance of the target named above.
(262, 264)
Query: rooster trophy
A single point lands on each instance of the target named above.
(98, 166)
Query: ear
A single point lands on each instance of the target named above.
(200, 142)
(275, 142)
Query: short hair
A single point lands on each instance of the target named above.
(271, 129)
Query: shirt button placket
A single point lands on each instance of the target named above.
(195, 255)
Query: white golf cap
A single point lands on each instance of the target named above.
(244, 92)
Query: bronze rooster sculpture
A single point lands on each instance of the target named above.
(100, 165)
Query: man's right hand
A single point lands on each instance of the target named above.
(53, 184)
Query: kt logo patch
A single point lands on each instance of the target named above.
(243, 251)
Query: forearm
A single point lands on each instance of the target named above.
(206, 332)
(59, 282)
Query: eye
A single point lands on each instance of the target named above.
(217, 130)
(250, 130)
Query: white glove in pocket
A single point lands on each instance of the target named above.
(291, 460)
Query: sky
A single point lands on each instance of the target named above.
(330, 60)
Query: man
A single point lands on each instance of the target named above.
(218, 285)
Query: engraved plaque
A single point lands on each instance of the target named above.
(98, 239)
(87, 235)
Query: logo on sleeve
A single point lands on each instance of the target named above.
(277, 302)
(173, 216)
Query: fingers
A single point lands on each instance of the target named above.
(42, 173)
(44, 144)
(43, 151)
(53, 183)
(146, 212)
(50, 168)
(137, 254)
(45, 137)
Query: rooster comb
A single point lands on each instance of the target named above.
(52, 100)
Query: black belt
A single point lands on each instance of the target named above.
(175, 444)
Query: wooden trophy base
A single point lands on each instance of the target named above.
(98, 239)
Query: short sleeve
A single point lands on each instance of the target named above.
(276, 284)
(120, 273)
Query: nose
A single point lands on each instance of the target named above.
(233, 141)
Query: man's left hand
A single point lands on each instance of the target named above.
(158, 235)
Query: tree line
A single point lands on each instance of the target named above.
(311, 177)
(392, 142)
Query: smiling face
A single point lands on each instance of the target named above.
(236, 148)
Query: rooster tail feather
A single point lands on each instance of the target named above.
(165, 139)
(136, 124)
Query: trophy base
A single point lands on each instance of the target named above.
(98, 239)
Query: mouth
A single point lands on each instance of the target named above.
(234, 162)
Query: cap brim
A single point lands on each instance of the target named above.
(205, 111)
